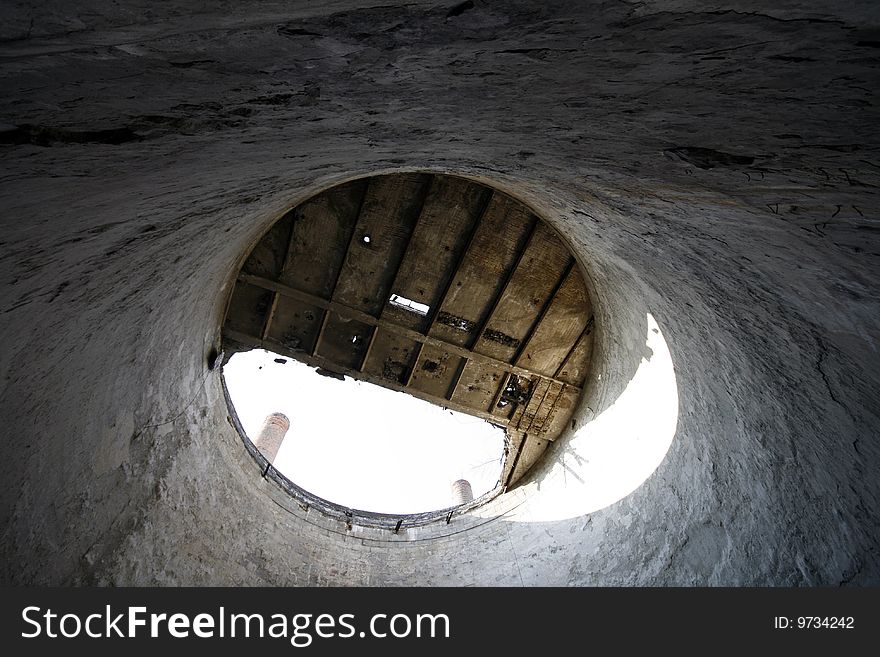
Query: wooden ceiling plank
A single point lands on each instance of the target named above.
(478, 385)
(435, 370)
(457, 378)
(535, 403)
(412, 369)
(295, 323)
(299, 242)
(270, 315)
(388, 215)
(321, 330)
(318, 361)
(320, 238)
(369, 349)
(496, 246)
(574, 368)
(409, 244)
(248, 306)
(559, 328)
(520, 439)
(267, 256)
(568, 354)
(531, 452)
(560, 415)
(391, 356)
(546, 408)
(452, 271)
(350, 241)
(548, 302)
(353, 313)
(503, 289)
(526, 292)
(451, 209)
(345, 341)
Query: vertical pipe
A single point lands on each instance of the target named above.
(462, 492)
(272, 434)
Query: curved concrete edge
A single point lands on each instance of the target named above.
(120, 466)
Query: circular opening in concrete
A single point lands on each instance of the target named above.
(431, 285)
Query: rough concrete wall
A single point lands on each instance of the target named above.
(715, 168)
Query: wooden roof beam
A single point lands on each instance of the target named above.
(547, 303)
(453, 272)
(318, 361)
(365, 318)
(500, 294)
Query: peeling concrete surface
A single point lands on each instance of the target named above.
(714, 166)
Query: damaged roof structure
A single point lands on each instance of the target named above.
(432, 285)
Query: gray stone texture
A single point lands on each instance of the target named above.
(713, 164)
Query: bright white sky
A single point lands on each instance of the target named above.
(361, 445)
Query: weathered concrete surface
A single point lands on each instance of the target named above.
(713, 164)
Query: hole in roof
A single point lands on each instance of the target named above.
(408, 304)
(470, 302)
(359, 445)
